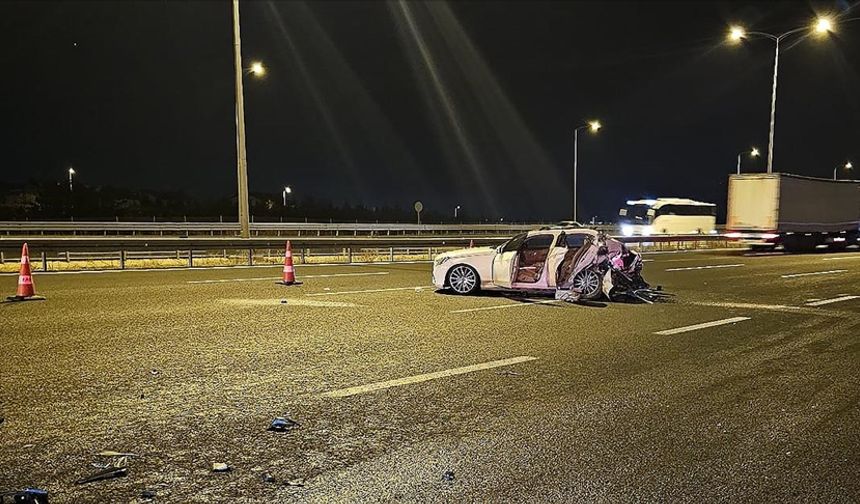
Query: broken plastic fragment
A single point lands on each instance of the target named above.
(267, 478)
(283, 424)
(220, 467)
(295, 483)
(448, 476)
(147, 494)
(27, 496)
(112, 472)
(111, 453)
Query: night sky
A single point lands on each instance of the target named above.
(141, 95)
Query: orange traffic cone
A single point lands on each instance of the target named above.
(26, 289)
(289, 270)
(471, 243)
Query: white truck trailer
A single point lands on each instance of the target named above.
(799, 213)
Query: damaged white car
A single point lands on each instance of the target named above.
(576, 264)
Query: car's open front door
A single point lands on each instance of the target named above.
(504, 263)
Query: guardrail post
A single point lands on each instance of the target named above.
(2, 258)
(250, 257)
(349, 255)
(44, 262)
(302, 255)
(122, 259)
(390, 254)
(430, 253)
(190, 258)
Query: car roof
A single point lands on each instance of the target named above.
(558, 231)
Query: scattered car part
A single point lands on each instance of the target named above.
(283, 424)
(109, 473)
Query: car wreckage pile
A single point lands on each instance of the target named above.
(604, 266)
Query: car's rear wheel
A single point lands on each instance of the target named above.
(463, 279)
(588, 283)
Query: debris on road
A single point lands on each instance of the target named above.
(154, 372)
(508, 372)
(448, 476)
(295, 483)
(26, 496)
(147, 494)
(283, 301)
(111, 453)
(283, 424)
(110, 473)
(267, 478)
(220, 467)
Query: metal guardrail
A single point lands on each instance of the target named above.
(75, 228)
(109, 252)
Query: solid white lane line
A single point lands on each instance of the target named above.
(499, 307)
(228, 280)
(832, 300)
(842, 258)
(368, 291)
(704, 325)
(409, 380)
(830, 272)
(205, 268)
(714, 266)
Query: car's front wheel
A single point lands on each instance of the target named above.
(588, 283)
(463, 279)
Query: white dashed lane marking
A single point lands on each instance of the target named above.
(409, 380)
(832, 300)
(500, 307)
(813, 273)
(703, 325)
(713, 266)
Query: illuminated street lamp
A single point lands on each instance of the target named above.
(594, 127)
(847, 166)
(736, 34)
(71, 174)
(752, 152)
(257, 69)
(287, 190)
(456, 211)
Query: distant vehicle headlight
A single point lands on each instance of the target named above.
(441, 260)
(627, 230)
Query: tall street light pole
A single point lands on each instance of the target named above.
(594, 127)
(241, 157)
(71, 174)
(736, 34)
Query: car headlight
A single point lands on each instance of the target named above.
(440, 260)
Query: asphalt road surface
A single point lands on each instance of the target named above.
(745, 388)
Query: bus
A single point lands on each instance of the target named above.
(664, 216)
